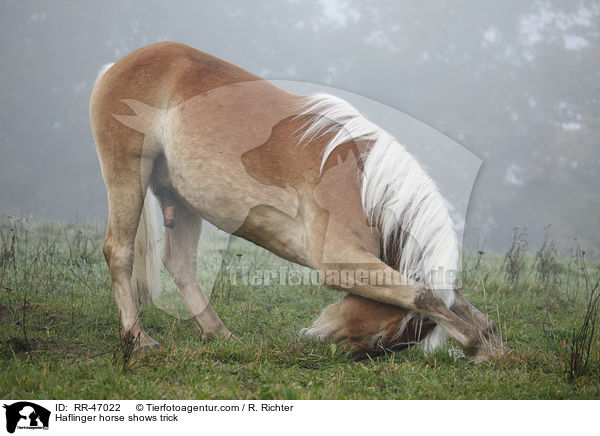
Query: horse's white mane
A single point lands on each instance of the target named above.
(397, 195)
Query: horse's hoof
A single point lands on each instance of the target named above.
(147, 345)
(495, 353)
(221, 334)
(480, 358)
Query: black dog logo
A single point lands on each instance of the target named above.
(28, 415)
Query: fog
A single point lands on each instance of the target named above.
(516, 84)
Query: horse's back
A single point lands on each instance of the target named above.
(227, 142)
(165, 74)
(160, 76)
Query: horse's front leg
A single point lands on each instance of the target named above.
(368, 277)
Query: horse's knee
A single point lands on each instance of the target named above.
(427, 303)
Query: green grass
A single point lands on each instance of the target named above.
(59, 334)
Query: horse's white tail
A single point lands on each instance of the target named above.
(145, 276)
(103, 70)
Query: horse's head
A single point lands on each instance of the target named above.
(367, 326)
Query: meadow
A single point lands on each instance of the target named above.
(60, 335)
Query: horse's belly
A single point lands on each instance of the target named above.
(218, 188)
(208, 135)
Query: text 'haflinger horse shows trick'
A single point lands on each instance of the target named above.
(306, 177)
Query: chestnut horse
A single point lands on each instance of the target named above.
(306, 177)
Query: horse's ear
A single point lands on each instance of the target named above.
(4, 405)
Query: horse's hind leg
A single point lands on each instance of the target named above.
(125, 201)
(180, 257)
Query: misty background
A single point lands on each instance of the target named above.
(515, 83)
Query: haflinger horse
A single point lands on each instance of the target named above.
(306, 177)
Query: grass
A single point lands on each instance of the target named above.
(59, 332)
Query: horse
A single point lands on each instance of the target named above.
(308, 178)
